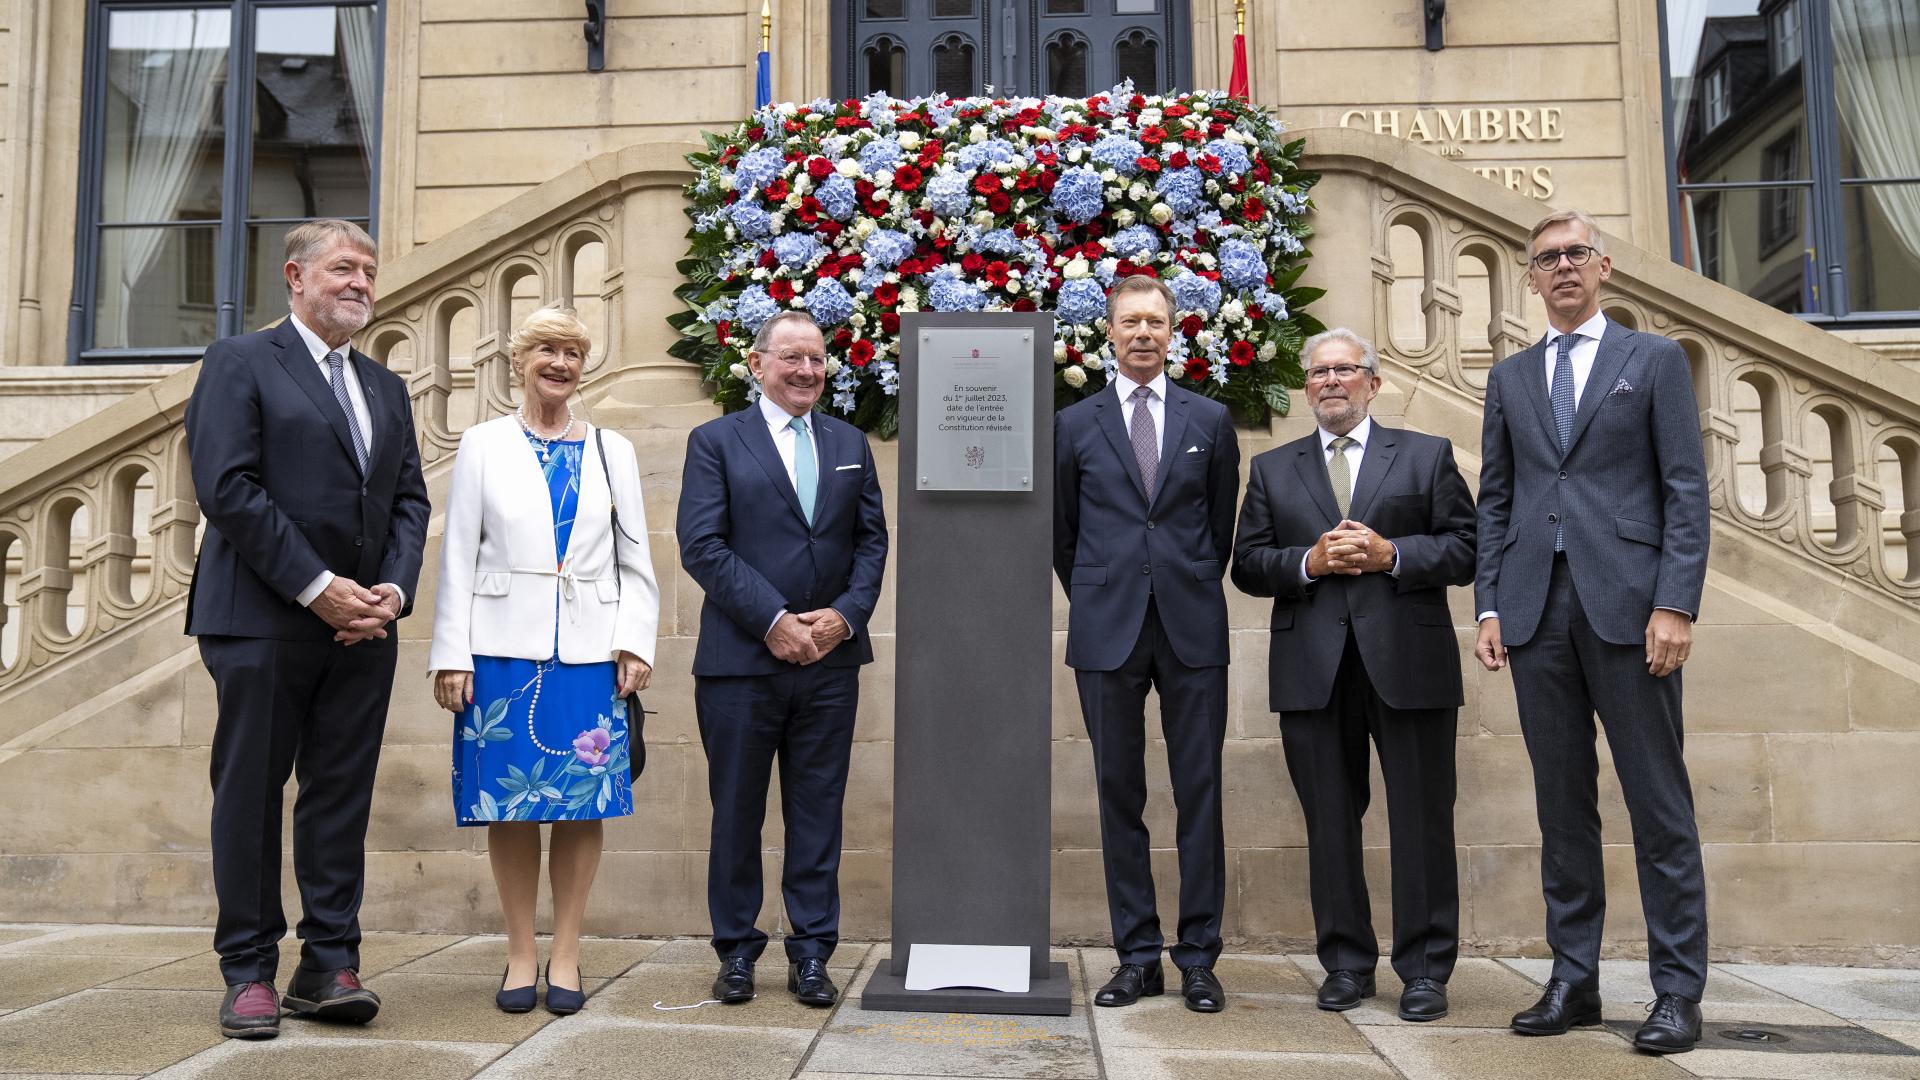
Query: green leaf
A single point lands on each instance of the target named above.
(1301, 297)
(1277, 397)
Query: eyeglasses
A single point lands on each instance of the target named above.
(1343, 372)
(798, 359)
(1577, 255)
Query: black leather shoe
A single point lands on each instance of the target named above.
(1345, 989)
(517, 1000)
(250, 1011)
(560, 1000)
(1560, 1008)
(331, 995)
(809, 983)
(1201, 990)
(1423, 1000)
(1130, 983)
(735, 981)
(1672, 1027)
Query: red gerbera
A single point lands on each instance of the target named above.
(1241, 353)
(861, 352)
(886, 294)
(780, 289)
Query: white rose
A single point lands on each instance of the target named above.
(984, 219)
(833, 365)
(857, 320)
(852, 276)
(977, 133)
(1073, 376)
(1119, 123)
(1204, 338)
(1138, 192)
(1149, 117)
(1226, 202)
(848, 167)
(1015, 274)
(1109, 176)
(1161, 213)
(1268, 350)
(1013, 285)
(1094, 362)
(1200, 107)
(1076, 269)
(792, 200)
(1059, 352)
(864, 227)
(739, 371)
(803, 183)
(908, 140)
(1125, 218)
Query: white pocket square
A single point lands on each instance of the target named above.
(844, 468)
(1621, 387)
(1193, 450)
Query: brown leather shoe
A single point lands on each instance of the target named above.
(331, 995)
(250, 1011)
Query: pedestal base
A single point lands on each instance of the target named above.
(1051, 996)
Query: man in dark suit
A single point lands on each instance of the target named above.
(781, 525)
(1356, 531)
(306, 469)
(1593, 554)
(1145, 480)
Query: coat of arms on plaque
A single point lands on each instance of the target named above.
(976, 456)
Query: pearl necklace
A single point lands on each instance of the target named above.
(546, 442)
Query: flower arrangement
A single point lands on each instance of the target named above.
(860, 211)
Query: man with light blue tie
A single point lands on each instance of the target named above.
(1592, 558)
(781, 525)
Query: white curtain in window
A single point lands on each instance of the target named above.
(359, 42)
(1876, 46)
(172, 97)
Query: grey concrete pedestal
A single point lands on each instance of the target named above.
(1051, 996)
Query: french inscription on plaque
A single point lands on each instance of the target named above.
(975, 415)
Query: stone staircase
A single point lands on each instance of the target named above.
(1803, 733)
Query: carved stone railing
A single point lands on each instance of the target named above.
(1808, 383)
(134, 453)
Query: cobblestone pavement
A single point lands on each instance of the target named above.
(142, 1001)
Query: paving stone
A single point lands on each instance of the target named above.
(600, 958)
(444, 1008)
(34, 978)
(1246, 974)
(1743, 1064)
(11, 934)
(111, 1031)
(287, 1058)
(955, 1044)
(1140, 1064)
(167, 943)
(379, 952)
(1477, 1054)
(1284, 1023)
(1480, 993)
(1906, 1031)
(683, 984)
(1855, 993)
(588, 1047)
(1626, 989)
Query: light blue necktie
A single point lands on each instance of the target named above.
(1561, 397)
(806, 471)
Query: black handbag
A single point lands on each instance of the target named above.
(636, 712)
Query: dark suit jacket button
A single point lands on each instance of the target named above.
(1552, 518)
(1563, 476)
(1343, 622)
(359, 541)
(363, 491)
(1148, 569)
(1149, 524)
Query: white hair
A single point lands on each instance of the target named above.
(1369, 357)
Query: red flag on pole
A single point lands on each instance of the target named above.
(1237, 84)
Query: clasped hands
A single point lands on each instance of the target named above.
(355, 612)
(1349, 548)
(808, 636)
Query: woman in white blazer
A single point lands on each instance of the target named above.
(544, 621)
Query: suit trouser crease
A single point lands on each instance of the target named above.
(1193, 719)
(1327, 760)
(1562, 677)
(803, 719)
(312, 709)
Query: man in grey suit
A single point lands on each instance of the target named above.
(1593, 554)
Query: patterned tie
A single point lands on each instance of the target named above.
(806, 471)
(1146, 448)
(336, 374)
(1561, 396)
(1339, 473)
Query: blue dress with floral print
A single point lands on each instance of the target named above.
(543, 740)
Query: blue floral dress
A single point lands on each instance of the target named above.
(543, 740)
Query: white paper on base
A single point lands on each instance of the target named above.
(993, 967)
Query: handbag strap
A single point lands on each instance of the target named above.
(612, 502)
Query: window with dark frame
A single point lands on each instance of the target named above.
(1779, 206)
(1707, 225)
(184, 179)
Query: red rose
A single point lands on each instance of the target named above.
(861, 352)
(1216, 129)
(999, 202)
(1192, 325)
(767, 260)
(827, 229)
(756, 133)
(890, 322)
(1197, 369)
(1178, 160)
(842, 338)
(1025, 304)
(819, 168)
(1139, 102)
(1074, 355)
(780, 289)
(906, 178)
(1047, 180)
(972, 263)
(986, 183)
(886, 294)
(1241, 353)
(1253, 311)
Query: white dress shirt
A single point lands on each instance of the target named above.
(1156, 406)
(780, 426)
(1584, 350)
(1356, 452)
(319, 350)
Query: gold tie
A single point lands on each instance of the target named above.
(1338, 473)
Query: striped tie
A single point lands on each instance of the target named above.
(1561, 397)
(336, 374)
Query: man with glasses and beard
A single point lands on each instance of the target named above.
(1356, 531)
(1593, 555)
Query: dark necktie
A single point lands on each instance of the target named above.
(336, 374)
(1561, 396)
(1146, 445)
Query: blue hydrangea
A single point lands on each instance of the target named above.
(758, 168)
(949, 292)
(948, 194)
(1289, 243)
(1241, 265)
(878, 155)
(1191, 292)
(836, 197)
(754, 307)
(1118, 153)
(886, 248)
(1180, 188)
(998, 242)
(1136, 242)
(797, 251)
(1081, 301)
(752, 222)
(829, 303)
(1233, 157)
(1079, 196)
(974, 155)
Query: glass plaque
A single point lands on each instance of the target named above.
(975, 415)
